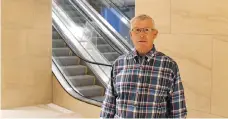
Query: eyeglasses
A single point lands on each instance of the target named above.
(145, 30)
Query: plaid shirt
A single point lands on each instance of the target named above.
(147, 87)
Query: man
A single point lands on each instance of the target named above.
(144, 83)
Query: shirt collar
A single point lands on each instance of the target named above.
(149, 55)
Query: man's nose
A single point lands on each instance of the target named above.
(142, 34)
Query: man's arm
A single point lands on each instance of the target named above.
(109, 104)
(177, 102)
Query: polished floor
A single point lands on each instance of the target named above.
(39, 111)
(55, 111)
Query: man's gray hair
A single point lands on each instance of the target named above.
(141, 17)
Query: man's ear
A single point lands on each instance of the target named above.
(156, 33)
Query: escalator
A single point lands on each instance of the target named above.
(75, 71)
(114, 14)
(83, 51)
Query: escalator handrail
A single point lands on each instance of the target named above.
(119, 11)
(106, 27)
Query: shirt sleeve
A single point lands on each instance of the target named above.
(177, 102)
(109, 104)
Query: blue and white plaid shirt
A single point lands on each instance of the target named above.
(144, 87)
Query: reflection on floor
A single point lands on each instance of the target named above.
(54, 111)
(39, 111)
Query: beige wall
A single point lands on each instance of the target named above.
(26, 53)
(195, 34)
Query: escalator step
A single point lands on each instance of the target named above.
(74, 70)
(105, 48)
(82, 80)
(91, 91)
(68, 60)
(53, 29)
(78, 19)
(110, 56)
(99, 98)
(62, 52)
(55, 35)
(67, 7)
(57, 39)
(98, 41)
(58, 43)
(111, 61)
(63, 2)
(73, 13)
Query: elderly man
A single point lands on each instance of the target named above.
(145, 83)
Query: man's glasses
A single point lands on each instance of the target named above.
(145, 30)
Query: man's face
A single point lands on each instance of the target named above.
(143, 35)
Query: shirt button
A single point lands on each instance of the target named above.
(140, 76)
(146, 86)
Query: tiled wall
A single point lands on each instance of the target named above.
(26, 52)
(195, 34)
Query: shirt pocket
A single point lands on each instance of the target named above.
(126, 82)
(162, 79)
